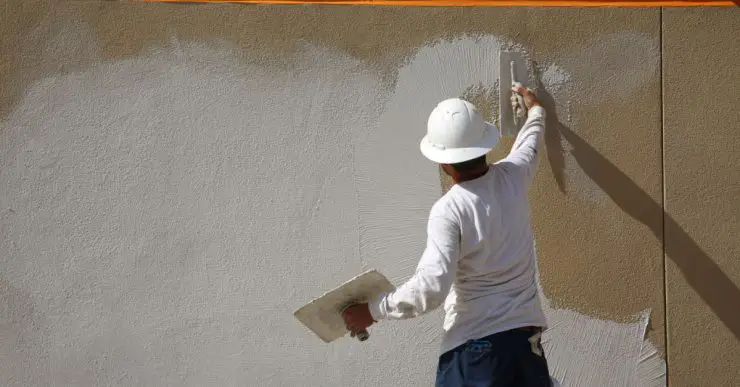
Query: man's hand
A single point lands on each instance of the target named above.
(530, 99)
(357, 318)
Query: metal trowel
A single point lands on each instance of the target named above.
(513, 113)
(323, 316)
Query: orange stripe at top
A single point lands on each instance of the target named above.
(482, 3)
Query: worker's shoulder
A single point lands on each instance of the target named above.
(506, 172)
(451, 204)
(443, 203)
(503, 167)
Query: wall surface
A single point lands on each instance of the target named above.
(702, 185)
(178, 179)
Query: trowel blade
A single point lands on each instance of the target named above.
(323, 316)
(508, 126)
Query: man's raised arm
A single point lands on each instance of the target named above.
(524, 154)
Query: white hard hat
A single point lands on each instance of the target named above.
(456, 132)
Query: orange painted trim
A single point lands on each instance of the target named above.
(482, 3)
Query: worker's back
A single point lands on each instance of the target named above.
(495, 284)
(479, 258)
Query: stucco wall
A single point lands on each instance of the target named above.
(178, 179)
(702, 185)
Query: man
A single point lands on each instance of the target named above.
(479, 258)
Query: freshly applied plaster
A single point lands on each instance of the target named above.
(163, 213)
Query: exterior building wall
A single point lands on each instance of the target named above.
(178, 179)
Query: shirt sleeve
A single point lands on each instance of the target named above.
(428, 287)
(524, 154)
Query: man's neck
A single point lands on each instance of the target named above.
(471, 175)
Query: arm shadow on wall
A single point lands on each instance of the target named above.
(702, 274)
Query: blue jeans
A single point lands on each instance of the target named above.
(512, 358)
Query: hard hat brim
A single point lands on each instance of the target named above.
(458, 155)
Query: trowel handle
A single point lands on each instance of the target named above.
(511, 69)
(363, 335)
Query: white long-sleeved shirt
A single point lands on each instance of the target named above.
(479, 258)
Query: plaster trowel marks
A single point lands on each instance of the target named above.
(396, 185)
(587, 351)
(399, 188)
(583, 350)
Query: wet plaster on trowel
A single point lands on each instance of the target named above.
(582, 350)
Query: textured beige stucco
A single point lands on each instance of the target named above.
(702, 183)
(185, 316)
(384, 36)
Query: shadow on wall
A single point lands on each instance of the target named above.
(705, 277)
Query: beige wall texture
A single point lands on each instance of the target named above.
(175, 180)
(701, 134)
